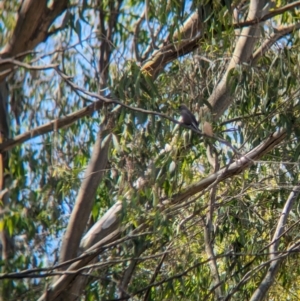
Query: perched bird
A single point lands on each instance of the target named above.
(188, 117)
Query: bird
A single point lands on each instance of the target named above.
(188, 117)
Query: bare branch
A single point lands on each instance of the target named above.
(86, 111)
(233, 169)
(157, 269)
(268, 16)
(87, 254)
(27, 66)
(135, 36)
(147, 9)
(277, 35)
(34, 20)
(14, 64)
(209, 241)
(269, 278)
(170, 51)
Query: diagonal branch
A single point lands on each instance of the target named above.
(229, 171)
(275, 259)
(233, 169)
(268, 16)
(191, 36)
(278, 34)
(23, 65)
(34, 20)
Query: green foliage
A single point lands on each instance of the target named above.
(151, 159)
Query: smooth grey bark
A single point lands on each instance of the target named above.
(221, 98)
(57, 289)
(95, 171)
(109, 223)
(263, 288)
(108, 17)
(234, 168)
(86, 196)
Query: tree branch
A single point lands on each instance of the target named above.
(268, 16)
(233, 169)
(269, 278)
(278, 34)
